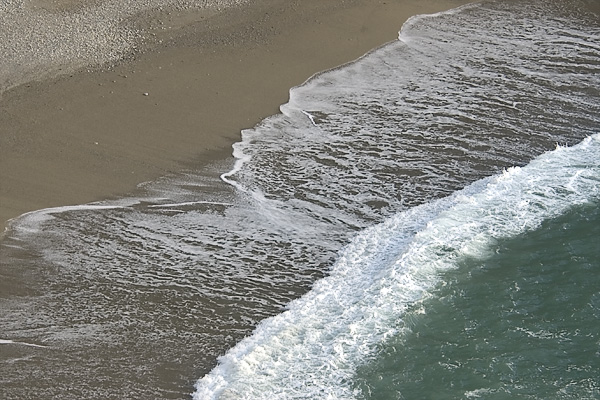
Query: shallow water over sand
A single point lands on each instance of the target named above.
(138, 297)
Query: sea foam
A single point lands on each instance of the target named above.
(313, 349)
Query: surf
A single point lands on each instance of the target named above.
(313, 349)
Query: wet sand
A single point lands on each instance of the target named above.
(200, 78)
(179, 103)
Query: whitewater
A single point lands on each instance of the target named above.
(313, 349)
(323, 250)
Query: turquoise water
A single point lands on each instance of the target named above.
(391, 299)
(523, 323)
(419, 223)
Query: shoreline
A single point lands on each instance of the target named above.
(180, 103)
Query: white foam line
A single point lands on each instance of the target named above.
(310, 116)
(5, 341)
(82, 207)
(415, 18)
(190, 203)
(30, 220)
(241, 159)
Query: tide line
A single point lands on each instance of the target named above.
(5, 341)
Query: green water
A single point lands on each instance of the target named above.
(523, 324)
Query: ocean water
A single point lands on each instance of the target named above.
(521, 322)
(420, 223)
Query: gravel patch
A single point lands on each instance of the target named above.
(44, 38)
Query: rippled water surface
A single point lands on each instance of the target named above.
(520, 324)
(138, 297)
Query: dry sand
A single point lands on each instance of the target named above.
(88, 136)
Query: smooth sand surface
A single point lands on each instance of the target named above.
(90, 136)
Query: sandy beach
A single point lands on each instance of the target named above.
(351, 247)
(181, 100)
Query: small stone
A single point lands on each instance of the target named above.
(146, 94)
